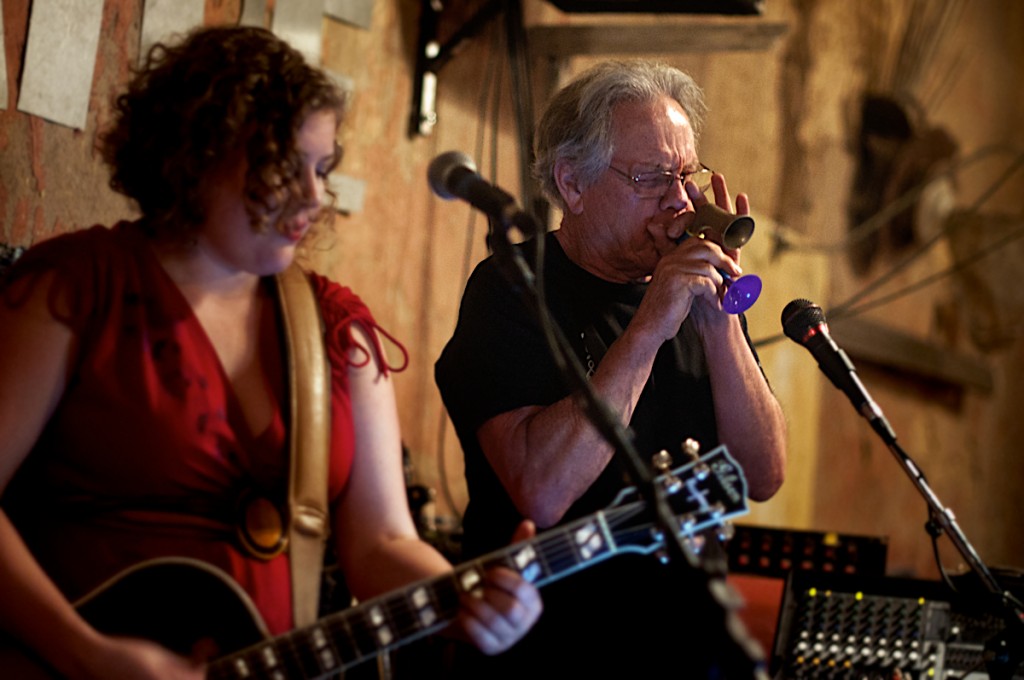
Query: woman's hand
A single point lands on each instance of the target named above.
(499, 614)
(142, 659)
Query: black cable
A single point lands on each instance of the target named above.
(926, 246)
(893, 208)
(522, 99)
(957, 266)
(490, 94)
(849, 308)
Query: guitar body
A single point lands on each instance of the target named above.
(177, 602)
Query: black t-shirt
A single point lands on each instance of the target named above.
(616, 617)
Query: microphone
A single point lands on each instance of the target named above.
(804, 323)
(453, 175)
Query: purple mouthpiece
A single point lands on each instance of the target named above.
(741, 294)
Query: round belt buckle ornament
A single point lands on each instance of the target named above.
(260, 526)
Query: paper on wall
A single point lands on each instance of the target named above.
(3, 66)
(60, 57)
(166, 19)
(253, 13)
(300, 24)
(356, 12)
(349, 192)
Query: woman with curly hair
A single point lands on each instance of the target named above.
(144, 383)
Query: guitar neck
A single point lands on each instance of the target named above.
(704, 493)
(347, 638)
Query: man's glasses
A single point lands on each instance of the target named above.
(655, 183)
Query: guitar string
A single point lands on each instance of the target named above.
(404, 619)
(404, 622)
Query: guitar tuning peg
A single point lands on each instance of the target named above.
(658, 537)
(691, 449)
(696, 543)
(661, 461)
(726, 531)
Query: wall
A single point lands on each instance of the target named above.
(783, 127)
(961, 438)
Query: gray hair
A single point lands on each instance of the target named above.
(577, 123)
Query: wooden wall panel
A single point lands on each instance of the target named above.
(782, 127)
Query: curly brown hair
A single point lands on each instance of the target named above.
(192, 104)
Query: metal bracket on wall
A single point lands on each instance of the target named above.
(8, 254)
(432, 55)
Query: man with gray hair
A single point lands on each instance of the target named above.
(616, 151)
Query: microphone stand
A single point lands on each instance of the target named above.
(747, 658)
(1004, 653)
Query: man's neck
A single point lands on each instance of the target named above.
(583, 256)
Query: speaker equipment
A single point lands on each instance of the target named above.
(842, 626)
(766, 551)
(760, 559)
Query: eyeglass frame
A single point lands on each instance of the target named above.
(683, 177)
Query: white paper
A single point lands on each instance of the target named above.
(355, 12)
(164, 20)
(3, 66)
(59, 60)
(350, 193)
(254, 13)
(300, 24)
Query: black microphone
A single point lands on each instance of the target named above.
(804, 323)
(453, 175)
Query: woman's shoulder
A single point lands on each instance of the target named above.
(337, 301)
(340, 308)
(75, 271)
(81, 245)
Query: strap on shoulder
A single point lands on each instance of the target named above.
(309, 436)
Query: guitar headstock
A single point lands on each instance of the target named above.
(704, 494)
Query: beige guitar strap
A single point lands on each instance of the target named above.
(309, 435)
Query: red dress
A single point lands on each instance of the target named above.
(148, 450)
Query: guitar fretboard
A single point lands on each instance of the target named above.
(342, 640)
